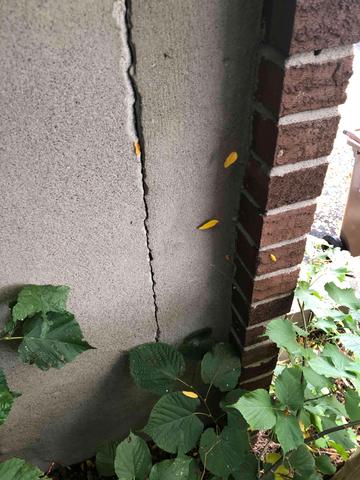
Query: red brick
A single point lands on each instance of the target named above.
(314, 86)
(269, 229)
(306, 87)
(252, 315)
(247, 373)
(277, 191)
(264, 382)
(260, 262)
(285, 144)
(307, 25)
(265, 133)
(257, 290)
(256, 354)
(305, 140)
(325, 23)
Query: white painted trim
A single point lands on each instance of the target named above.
(259, 377)
(278, 272)
(283, 243)
(293, 206)
(309, 116)
(326, 55)
(281, 170)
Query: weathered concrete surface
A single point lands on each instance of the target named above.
(71, 190)
(72, 211)
(194, 73)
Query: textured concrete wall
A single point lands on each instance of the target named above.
(78, 207)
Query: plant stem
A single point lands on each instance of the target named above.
(204, 400)
(318, 398)
(11, 338)
(311, 439)
(316, 436)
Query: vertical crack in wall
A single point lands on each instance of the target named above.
(123, 16)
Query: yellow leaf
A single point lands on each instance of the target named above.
(137, 149)
(273, 258)
(190, 394)
(272, 458)
(209, 224)
(230, 159)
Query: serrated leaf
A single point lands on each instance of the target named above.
(198, 343)
(288, 432)
(235, 419)
(105, 458)
(181, 468)
(334, 364)
(324, 465)
(289, 388)
(352, 405)
(344, 297)
(208, 225)
(302, 462)
(351, 342)
(17, 469)
(315, 379)
(132, 459)
(230, 159)
(156, 367)
(7, 398)
(282, 332)
(34, 299)
(221, 367)
(257, 409)
(342, 437)
(173, 423)
(62, 343)
(226, 453)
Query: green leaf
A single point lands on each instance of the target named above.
(334, 364)
(340, 450)
(17, 469)
(224, 454)
(173, 423)
(61, 344)
(235, 419)
(289, 388)
(34, 299)
(342, 437)
(257, 409)
(198, 343)
(7, 398)
(343, 297)
(132, 459)
(315, 379)
(182, 468)
(156, 367)
(288, 432)
(351, 342)
(221, 367)
(282, 332)
(302, 462)
(324, 465)
(105, 458)
(352, 405)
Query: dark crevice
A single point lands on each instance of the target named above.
(137, 110)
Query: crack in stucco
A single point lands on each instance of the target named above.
(123, 9)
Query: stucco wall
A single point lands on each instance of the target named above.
(79, 207)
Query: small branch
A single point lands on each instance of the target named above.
(318, 398)
(11, 338)
(332, 430)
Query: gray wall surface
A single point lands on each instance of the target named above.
(78, 207)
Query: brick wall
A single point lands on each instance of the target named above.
(305, 65)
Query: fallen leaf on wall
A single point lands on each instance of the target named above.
(230, 159)
(137, 149)
(273, 258)
(210, 224)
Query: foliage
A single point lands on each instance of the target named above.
(208, 431)
(46, 335)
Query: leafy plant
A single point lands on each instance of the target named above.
(46, 335)
(210, 431)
